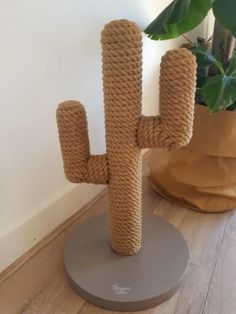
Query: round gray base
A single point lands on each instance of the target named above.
(126, 283)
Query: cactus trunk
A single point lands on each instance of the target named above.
(122, 71)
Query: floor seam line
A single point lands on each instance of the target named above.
(216, 261)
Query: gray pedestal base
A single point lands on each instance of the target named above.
(126, 283)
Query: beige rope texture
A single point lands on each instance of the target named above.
(173, 129)
(122, 71)
(126, 129)
(79, 166)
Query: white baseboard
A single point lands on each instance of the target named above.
(22, 237)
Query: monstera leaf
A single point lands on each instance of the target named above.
(216, 78)
(219, 92)
(232, 66)
(224, 11)
(204, 58)
(179, 17)
(171, 15)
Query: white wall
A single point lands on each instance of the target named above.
(49, 52)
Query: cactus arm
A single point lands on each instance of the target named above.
(79, 165)
(173, 128)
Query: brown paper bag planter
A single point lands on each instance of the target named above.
(127, 132)
(201, 175)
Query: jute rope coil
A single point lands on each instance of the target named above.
(126, 129)
(122, 70)
(173, 128)
(79, 165)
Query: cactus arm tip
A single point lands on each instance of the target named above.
(79, 165)
(173, 129)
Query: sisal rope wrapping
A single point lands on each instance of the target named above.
(122, 74)
(126, 129)
(173, 128)
(79, 166)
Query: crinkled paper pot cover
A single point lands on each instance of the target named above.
(201, 175)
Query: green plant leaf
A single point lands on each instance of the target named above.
(219, 92)
(204, 58)
(201, 80)
(232, 66)
(224, 11)
(232, 107)
(199, 98)
(179, 17)
(175, 11)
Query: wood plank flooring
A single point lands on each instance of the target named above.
(37, 284)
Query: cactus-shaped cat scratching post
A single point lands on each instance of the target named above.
(130, 276)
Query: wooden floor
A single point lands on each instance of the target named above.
(37, 283)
